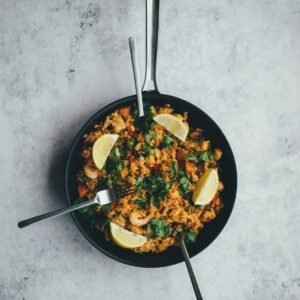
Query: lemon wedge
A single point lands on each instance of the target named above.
(102, 148)
(173, 125)
(206, 187)
(125, 238)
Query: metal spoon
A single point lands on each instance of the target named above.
(140, 120)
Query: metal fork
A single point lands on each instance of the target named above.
(102, 197)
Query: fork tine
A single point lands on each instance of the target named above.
(122, 194)
(124, 186)
(124, 190)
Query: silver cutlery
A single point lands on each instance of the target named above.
(140, 120)
(102, 197)
(189, 268)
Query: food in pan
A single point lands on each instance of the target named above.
(171, 164)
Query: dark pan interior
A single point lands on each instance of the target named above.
(228, 175)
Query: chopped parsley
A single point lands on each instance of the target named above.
(118, 152)
(139, 185)
(94, 217)
(131, 143)
(166, 142)
(148, 150)
(147, 113)
(199, 156)
(158, 228)
(105, 209)
(191, 157)
(206, 155)
(184, 183)
(134, 111)
(114, 164)
(150, 135)
(148, 116)
(174, 169)
(141, 203)
(156, 188)
(190, 237)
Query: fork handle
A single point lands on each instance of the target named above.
(190, 269)
(56, 213)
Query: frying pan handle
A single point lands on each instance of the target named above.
(152, 16)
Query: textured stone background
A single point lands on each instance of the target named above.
(238, 60)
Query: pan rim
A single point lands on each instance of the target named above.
(71, 152)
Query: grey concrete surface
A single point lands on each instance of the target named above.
(60, 61)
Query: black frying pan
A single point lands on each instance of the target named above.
(196, 118)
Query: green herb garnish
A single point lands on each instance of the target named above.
(191, 157)
(95, 217)
(131, 143)
(173, 168)
(141, 203)
(150, 135)
(183, 185)
(166, 142)
(184, 181)
(158, 228)
(148, 149)
(148, 116)
(206, 155)
(105, 209)
(138, 184)
(156, 188)
(134, 111)
(190, 237)
(114, 164)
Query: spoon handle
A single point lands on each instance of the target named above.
(136, 75)
(55, 213)
(190, 269)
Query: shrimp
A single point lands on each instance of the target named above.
(205, 145)
(118, 123)
(220, 186)
(90, 172)
(218, 154)
(136, 219)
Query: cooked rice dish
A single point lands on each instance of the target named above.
(164, 170)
